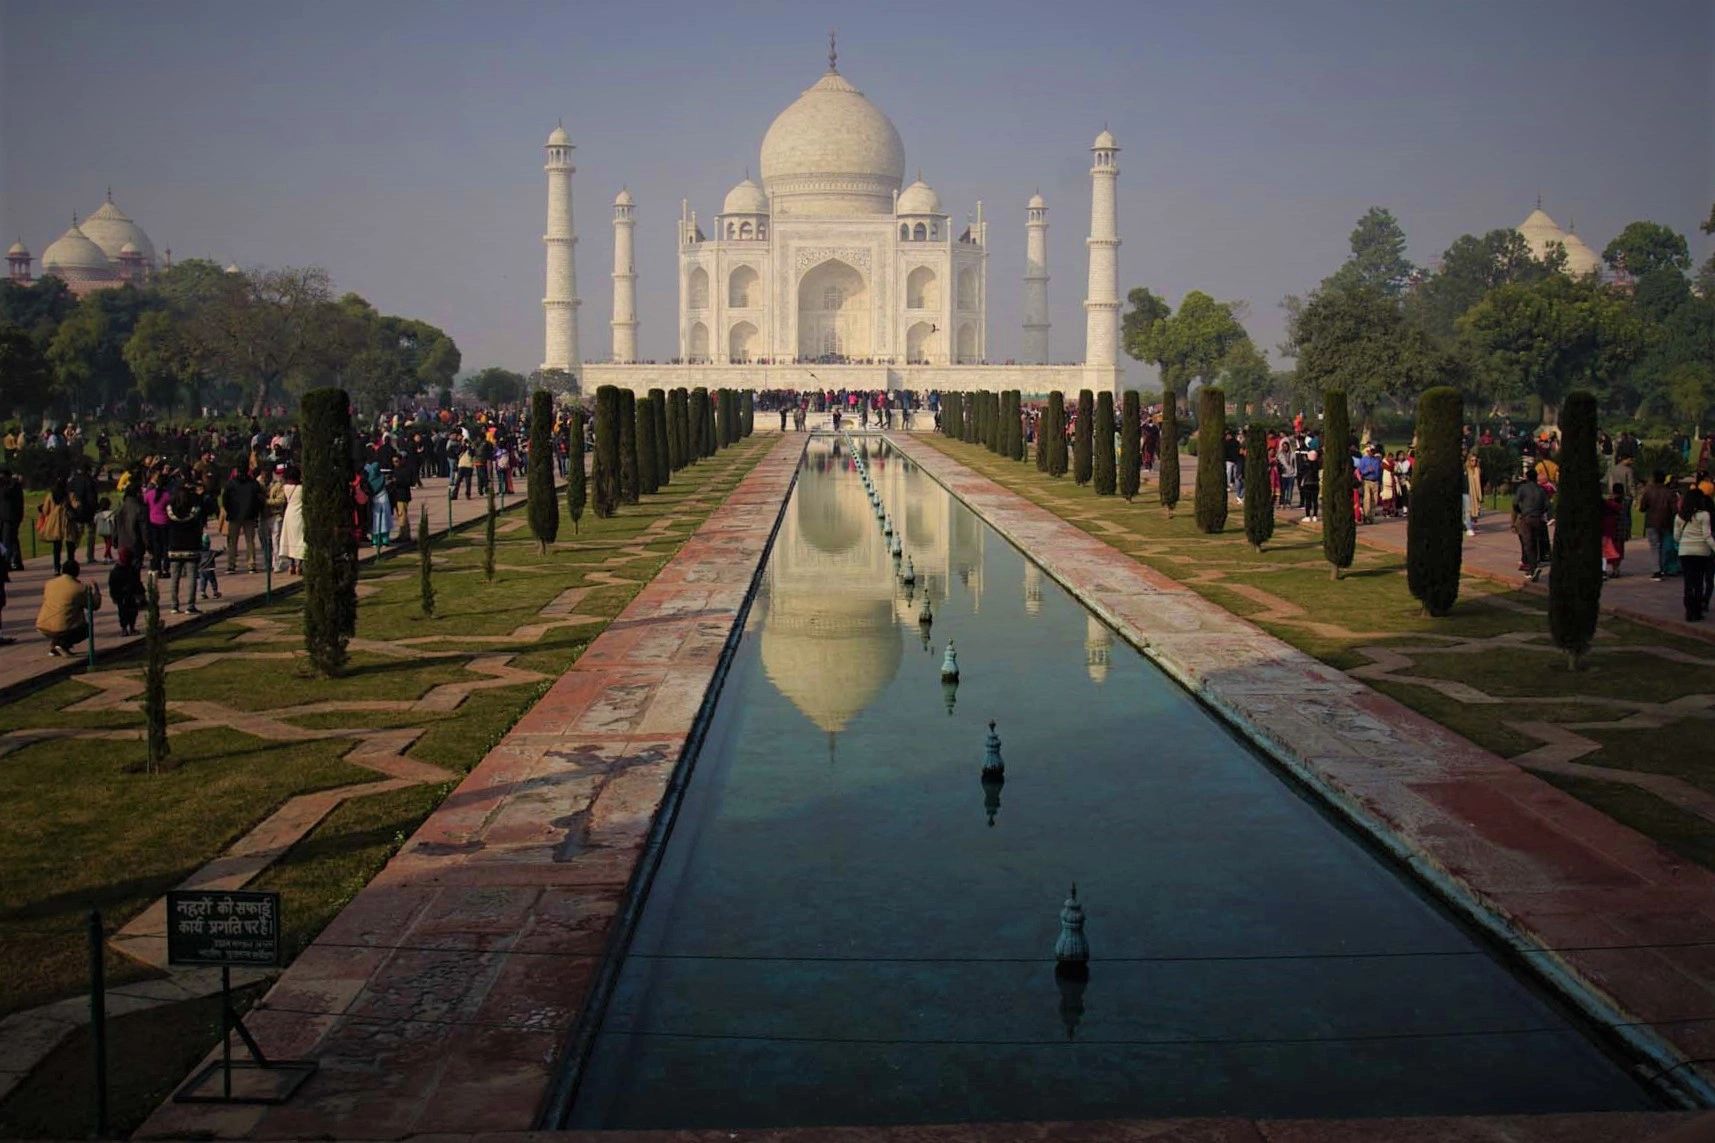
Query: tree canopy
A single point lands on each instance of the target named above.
(496, 386)
(1645, 246)
(1191, 345)
(1377, 259)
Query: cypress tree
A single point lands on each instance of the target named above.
(1575, 571)
(1169, 458)
(663, 458)
(628, 446)
(1435, 527)
(1083, 434)
(747, 413)
(1042, 447)
(425, 564)
(711, 431)
(971, 422)
(1259, 496)
(1211, 473)
(723, 425)
(488, 538)
(675, 431)
(1102, 441)
(998, 434)
(604, 472)
(1339, 528)
(1057, 429)
(157, 748)
(330, 560)
(699, 426)
(539, 480)
(647, 483)
(729, 419)
(1015, 426)
(1131, 433)
(991, 422)
(575, 488)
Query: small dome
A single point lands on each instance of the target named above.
(232, 268)
(1105, 142)
(129, 248)
(1037, 202)
(918, 198)
(18, 249)
(745, 198)
(623, 198)
(74, 258)
(109, 229)
(1580, 259)
(1540, 232)
(559, 138)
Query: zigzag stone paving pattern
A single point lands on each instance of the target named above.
(27, 1036)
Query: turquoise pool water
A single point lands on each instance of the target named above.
(849, 927)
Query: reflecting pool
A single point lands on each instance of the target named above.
(850, 926)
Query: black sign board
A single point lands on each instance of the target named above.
(226, 929)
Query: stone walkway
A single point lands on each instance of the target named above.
(1620, 924)
(440, 998)
(26, 1037)
(27, 659)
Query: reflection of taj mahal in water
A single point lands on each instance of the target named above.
(866, 627)
(831, 272)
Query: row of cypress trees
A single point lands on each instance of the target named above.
(641, 441)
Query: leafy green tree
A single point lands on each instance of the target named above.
(646, 481)
(496, 386)
(25, 375)
(162, 362)
(1434, 536)
(1575, 570)
(425, 564)
(1102, 444)
(330, 559)
(1246, 377)
(1356, 340)
(1168, 483)
(1259, 495)
(1339, 525)
(1082, 457)
(37, 309)
(1543, 338)
(539, 482)
(1057, 431)
(1469, 269)
(605, 472)
(575, 488)
(1645, 246)
(1131, 431)
(1378, 260)
(1189, 346)
(259, 328)
(628, 486)
(1211, 470)
(663, 458)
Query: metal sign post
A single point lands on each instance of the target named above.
(225, 929)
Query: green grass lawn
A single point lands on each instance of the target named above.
(1371, 607)
(87, 829)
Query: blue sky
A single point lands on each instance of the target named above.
(399, 144)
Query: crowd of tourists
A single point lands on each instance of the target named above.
(181, 502)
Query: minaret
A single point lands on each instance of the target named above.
(560, 303)
(1102, 303)
(1036, 282)
(624, 282)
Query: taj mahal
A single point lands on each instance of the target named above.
(832, 272)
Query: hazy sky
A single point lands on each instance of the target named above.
(399, 144)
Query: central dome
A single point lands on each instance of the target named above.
(832, 152)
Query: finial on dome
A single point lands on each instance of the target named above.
(1539, 200)
(833, 53)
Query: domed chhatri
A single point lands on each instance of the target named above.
(919, 198)
(1072, 950)
(950, 665)
(992, 763)
(745, 198)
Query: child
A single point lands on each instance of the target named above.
(125, 586)
(206, 581)
(104, 527)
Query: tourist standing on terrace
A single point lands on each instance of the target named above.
(1696, 540)
(1659, 503)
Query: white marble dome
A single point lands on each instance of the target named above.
(623, 198)
(919, 198)
(1580, 259)
(745, 198)
(558, 137)
(1541, 232)
(110, 229)
(1104, 141)
(18, 248)
(833, 152)
(1037, 202)
(72, 257)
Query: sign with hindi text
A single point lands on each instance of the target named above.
(216, 927)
